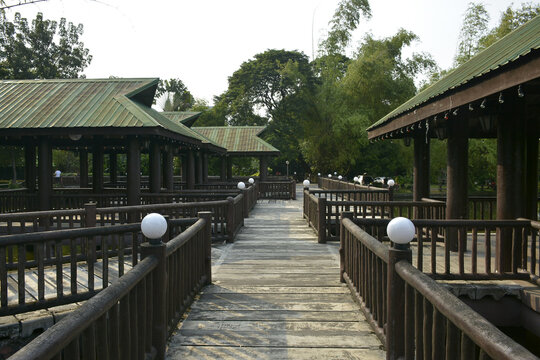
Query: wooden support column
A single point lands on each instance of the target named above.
(457, 176)
(510, 184)
(97, 168)
(199, 169)
(229, 168)
(44, 173)
(30, 165)
(183, 163)
(531, 186)
(154, 158)
(113, 168)
(263, 168)
(223, 173)
(168, 169)
(83, 168)
(205, 167)
(190, 170)
(133, 183)
(421, 168)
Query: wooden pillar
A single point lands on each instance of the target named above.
(229, 168)
(457, 176)
(421, 168)
(205, 167)
(168, 169)
(83, 168)
(184, 162)
(30, 166)
(531, 186)
(97, 168)
(223, 174)
(263, 168)
(199, 171)
(133, 181)
(113, 168)
(190, 170)
(44, 173)
(154, 158)
(510, 184)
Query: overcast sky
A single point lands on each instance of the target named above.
(203, 42)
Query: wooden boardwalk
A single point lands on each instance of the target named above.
(275, 295)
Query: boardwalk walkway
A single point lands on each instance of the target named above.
(276, 295)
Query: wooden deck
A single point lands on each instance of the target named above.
(275, 294)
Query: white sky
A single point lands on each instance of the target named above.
(203, 42)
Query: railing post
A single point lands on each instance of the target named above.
(322, 221)
(395, 326)
(306, 203)
(207, 215)
(344, 215)
(90, 214)
(158, 296)
(245, 202)
(293, 190)
(231, 226)
(390, 193)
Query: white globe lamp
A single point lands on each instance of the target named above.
(251, 181)
(318, 174)
(154, 226)
(401, 231)
(340, 177)
(306, 183)
(355, 179)
(241, 185)
(335, 172)
(329, 175)
(391, 183)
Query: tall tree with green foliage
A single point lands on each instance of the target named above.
(474, 27)
(177, 96)
(44, 49)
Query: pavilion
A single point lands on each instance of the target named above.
(493, 95)
(102, 116)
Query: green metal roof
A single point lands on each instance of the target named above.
(518, 43)
(238, 139)
(185, 117)
(85, 103)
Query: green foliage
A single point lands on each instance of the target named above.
(177, 96)
(474, 27)
(45, 49)
(344, 22)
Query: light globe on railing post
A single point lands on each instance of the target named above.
(241, 185)
(251, 181)
(340, 177)
(154, 226)
(355, 179)
(401, 231)
(329, 175)
(306, 183)
(391, 183)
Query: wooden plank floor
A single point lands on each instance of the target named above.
(276, 295)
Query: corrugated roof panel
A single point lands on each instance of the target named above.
(513, 46)
(237, 138)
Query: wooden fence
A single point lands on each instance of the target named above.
(227, 215)
(132, 318)
(437, 254)
(277, 190)
(324, 214)
(36, 266)
(415, 317)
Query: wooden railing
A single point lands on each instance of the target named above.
(323, 214)
(17, 200)
(33, 265)
(227, 215)
(133, 317)
(413, 315)
(277, 190)
(441, 247)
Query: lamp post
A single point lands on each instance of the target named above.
(251, 181)
(287, 162)
(241, 185)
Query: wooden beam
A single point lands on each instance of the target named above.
(522, 71)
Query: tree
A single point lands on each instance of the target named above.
(177, 96)
(45, 49)
(474, 27)
(344, 22)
